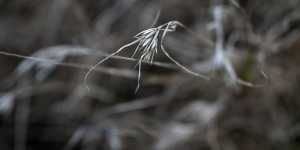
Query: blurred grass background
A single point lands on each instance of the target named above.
(45, 105)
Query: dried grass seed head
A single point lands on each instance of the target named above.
(149, 41)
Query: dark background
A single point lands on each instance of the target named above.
(45, 106)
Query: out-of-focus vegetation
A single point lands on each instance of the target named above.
(248, 48)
